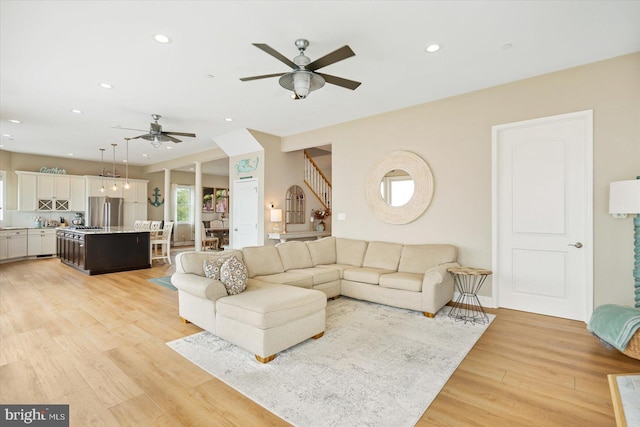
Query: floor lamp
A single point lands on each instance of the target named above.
(624, 198)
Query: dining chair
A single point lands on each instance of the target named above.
(161, 244)
(208, 240)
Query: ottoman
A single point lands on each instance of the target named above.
(270, 319)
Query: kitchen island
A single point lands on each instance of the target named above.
(103, 250)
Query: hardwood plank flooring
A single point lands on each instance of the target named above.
(98, 344)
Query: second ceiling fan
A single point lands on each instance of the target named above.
(303, 77)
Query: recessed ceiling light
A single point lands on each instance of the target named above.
(6, 135)
(161, 38)
(76, 111)
(228, 119)
(145, 155)
(106, 85)
(15, 121)
(433, 48)
(70, 154)
(507, 46)
(169, 147)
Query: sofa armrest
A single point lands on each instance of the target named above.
(437, 287)
(199, 286)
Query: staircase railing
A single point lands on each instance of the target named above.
(316, 181)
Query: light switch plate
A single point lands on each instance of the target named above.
(342, 216)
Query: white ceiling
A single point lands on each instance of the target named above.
(54, 55)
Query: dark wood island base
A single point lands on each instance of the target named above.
(104, 251)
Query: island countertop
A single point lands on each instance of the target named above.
(103, 230)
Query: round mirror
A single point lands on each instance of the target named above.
(405, 208)
(396, 187)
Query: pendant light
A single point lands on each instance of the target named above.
(126, 180)
(115, 186)
(102, 167)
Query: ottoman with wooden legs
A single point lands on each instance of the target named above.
(270, 319)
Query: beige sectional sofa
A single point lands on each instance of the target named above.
(407, 276)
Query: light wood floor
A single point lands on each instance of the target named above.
(98, 344)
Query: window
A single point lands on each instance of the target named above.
(184, 205)
(3, 182)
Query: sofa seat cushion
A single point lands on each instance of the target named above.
(319, 275)
(340, 267)
(366, 274)
(268, 307)
(292, 279)
(404, 281)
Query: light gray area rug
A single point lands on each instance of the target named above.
(374, 366)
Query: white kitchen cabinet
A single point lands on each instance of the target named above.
(27, 184)
(95, 184)
(3, 245)
(137, 192)
(78, 199)
(16, 243)
(54, 192)
(135, 202)
(41, 242)
(134, 211)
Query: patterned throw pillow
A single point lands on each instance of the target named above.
(212, 267)
(233, 275)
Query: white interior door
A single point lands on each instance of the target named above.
(543, 255)
(245, 213)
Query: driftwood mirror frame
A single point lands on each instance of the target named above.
(422, 176)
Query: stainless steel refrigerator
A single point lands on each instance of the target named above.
(105, 211)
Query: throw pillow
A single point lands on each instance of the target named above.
(233, 275)
(212, 267)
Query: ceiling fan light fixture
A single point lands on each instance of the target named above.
(301, 82)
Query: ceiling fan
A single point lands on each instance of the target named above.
(157, 136)
(303, 77)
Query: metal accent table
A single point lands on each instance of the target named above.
(467, 306)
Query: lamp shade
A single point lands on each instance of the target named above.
(624, 197)
(276, 215)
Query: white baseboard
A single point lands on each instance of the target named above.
(484, 300)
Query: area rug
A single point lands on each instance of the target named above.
(164, 281)
(374, 366)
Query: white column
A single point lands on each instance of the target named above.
(167, 195)
(198, 208)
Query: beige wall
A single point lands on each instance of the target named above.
(283, 170)
(454, 136)
(10, 161)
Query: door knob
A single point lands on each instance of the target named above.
(577, 245)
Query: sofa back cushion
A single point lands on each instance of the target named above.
(322, 251)
(262, 260)
(193, 262)
(350, 252)
(420, 258)
(294, 255)
(383, 255)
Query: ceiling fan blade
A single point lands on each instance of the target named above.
(339, 81)
(266, 76)
(145, 136)
(120, 127)
(170, 138)
(271, 51)
(192, 135)
(331, 58)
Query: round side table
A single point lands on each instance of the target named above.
(467, 306)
